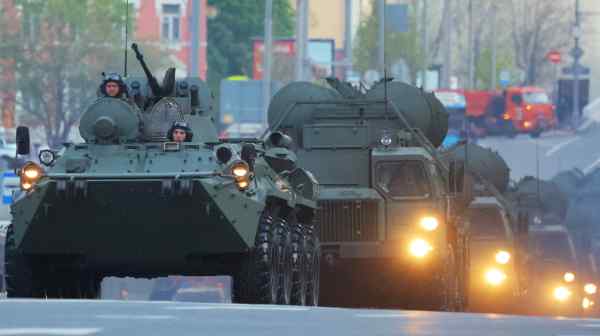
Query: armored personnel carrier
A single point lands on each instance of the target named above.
(388, 233)
(131, 202)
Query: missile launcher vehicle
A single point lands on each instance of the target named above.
(129, 201)
(388, 230)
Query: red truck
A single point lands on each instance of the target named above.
(514, 110)
(509, 112)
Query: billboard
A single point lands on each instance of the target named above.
(320, 53)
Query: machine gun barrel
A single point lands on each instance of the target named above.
(156, 90)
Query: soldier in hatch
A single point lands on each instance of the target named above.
(113, 86)
(180, 132)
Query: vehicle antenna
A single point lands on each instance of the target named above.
(126, 35)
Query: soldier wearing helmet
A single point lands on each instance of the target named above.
(113, 86)
(180, 132)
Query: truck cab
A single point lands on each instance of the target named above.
(527, 109)
(495, 272)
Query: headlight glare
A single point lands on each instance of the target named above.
(495, 277)
(29, 175)
(419, 248)
(569, 277)
(502, 257)
(562, 293)
(586, 303)
(429, 223)
(590, 288)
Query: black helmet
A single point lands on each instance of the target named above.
(116, 78)
(182, 125)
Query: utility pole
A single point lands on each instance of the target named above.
(381, 37)
(267, 54)
(576, 56)
(425, 41)
(493, 80)
(447, 69)
(195, 37)
(471, 43)
(348, 37)
(299, 38)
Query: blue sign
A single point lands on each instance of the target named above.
(10, 185)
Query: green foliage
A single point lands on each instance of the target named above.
(60, 50)
(231, 32)
(504, 61)
(397, 45)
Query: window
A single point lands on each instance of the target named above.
(486, 223)
(404, 179)
(552, 245)
(536, 98)
(171, 19)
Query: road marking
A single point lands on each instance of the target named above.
(590, 325)
(240, 307)
(49, 331)
(591, 167)
(384, 315)
(136, 317)
(560, 146)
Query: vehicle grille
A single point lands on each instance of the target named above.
(348, 220)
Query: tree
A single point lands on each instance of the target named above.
(543, 28)
(231, 32)
(397, 45)
(59, 51)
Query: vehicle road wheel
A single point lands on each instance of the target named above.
(20, 281)
(258, 277)
(313, 267)
(299, 265)
(283, 242)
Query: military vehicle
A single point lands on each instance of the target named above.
(388, 232)
(130, 202)
(498, 233)
(553, 267)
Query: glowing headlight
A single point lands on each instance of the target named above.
(420, 248)
(429, 223)
(502, 257)
(569, 277)
(495, 277)
(562, 293)
(29, 175)
(586, 303)
(590, 288)
(240, 169)
(46, 157)
(386, 140)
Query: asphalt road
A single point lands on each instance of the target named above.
(557, 151)
(72, 317)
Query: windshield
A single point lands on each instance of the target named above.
(404, 179)
(486, 223)
(552, 245)
(536, 98)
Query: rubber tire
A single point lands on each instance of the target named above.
(313, 266)
(257, 277)
(298, 294)
(20, 282)
(283, 241)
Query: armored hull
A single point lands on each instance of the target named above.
(133, 200)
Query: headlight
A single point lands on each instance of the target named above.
(240, 169)
(30, 173)
(569, 277)
(429, 223)
(590, 288)
(495, 277)
(46, 157)
(502, 257)
(420, 248)
(586, 303)
(562, 293)
(241, 173)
